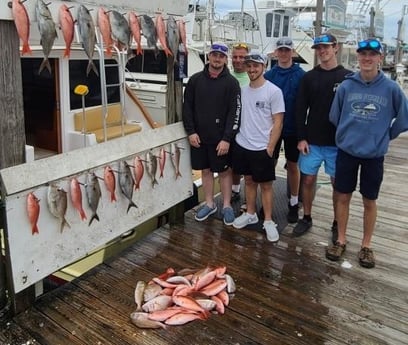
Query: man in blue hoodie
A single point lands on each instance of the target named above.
(287, 75)
(368, 110)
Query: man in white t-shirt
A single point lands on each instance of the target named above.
(262, 113)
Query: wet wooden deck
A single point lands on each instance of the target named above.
(287, 293)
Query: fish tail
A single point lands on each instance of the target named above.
(64, 222)
(82, 214)
(131, 204)
(67, 52)
(109, 52)
(94, 216)
(26, 49)
(161, 174)
(139, 50)
(154, 182)
(168, 52)
(137, 185)
(113, 197)
(34, 230)
(45, 63)
(92, 67)
(178, 174)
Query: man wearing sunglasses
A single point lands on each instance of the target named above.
(261, 125)
(287, 75)
(315, 133)
(211, 115)
(368, 110)
(239, 51)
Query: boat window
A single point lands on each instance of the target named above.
(77, 76)
(268, 23)
(286, 23)
(276, 26)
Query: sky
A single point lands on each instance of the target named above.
(392, 13)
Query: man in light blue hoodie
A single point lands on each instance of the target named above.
(368, 110)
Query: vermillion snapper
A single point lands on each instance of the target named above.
(48, 32)
(22, 22)
(105, 30)
(67, 26)
(33, 211)
(136, 32)
(86, 28)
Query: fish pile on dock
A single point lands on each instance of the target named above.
(176, 298)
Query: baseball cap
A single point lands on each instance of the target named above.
(324, 39)
(284, 42)
(219, 48)
(370, 44)
(259, 58)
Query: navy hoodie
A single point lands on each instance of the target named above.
(288, 80)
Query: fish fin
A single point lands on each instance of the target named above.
(82, 214)
(94, 216)
(45, 63)
(131, 204)
(92, 67)
(35, 230)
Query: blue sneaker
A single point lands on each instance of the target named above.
(204, 212)
(229, 216)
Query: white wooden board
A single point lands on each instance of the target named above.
(34, 257)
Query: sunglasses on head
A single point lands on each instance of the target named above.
(219, 47)
(254, 57)
(323, 39)
(240, 45)
(284, 42)
(374, 44)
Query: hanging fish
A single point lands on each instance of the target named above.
(105, 30)
(48, 32)
(138, 171)
(86, 29)
(175, 159)
(162, 161)
(161, 34)
(136, 32)
(33, 211)
(57, 204)
(76, 197)
(149, 31)
(93, 194)
(182, 33)
(67, 26)
(151, 167)
(126, 183)
(22, 22)
(173, 37)
(120, 30)
(110, 182)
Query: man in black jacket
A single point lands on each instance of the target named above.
(211, 115)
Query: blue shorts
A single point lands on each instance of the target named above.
(310, 164)
(371, 175)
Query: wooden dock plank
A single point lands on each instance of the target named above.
(287, 293)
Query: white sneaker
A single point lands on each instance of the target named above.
(245, 219)
(271, 230)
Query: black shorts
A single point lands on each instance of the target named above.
(205, 157)
(290, 146)
(257, 164)
(371, 174)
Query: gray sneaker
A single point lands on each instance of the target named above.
(245, 219)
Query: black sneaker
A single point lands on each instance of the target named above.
(335, 232)
(235, 196)
(302, 227)
(293, 214)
